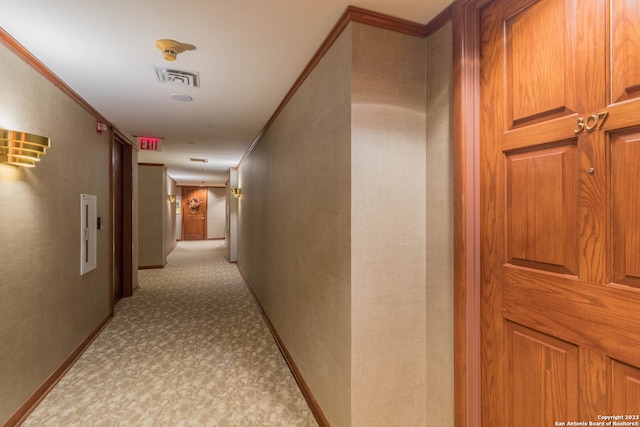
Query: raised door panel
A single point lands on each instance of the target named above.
(542, 378)
(541, 209)
(625, 388)
(193, 228)
(625, 50)
(625, 215)
(540, 71)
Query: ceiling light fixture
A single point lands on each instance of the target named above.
(205, 161)
(181, 97)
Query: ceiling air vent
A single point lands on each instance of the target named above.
(178, 77)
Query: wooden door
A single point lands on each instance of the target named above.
(560, 211)
(122, 195)
(194, 213)
(118, 249)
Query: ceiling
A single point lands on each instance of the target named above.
(248, 54)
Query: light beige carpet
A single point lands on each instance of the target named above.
(188, 349)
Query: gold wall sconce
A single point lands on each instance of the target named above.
(236, 192)
(21, 148)
(172, 198)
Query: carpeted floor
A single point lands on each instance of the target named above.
(188, 349)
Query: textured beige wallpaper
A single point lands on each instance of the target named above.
(388, 228)
(170, 216)
(46, 308)
(440, 228)
(294, 235)
(216, 211)
(333, 228)
(152, 215)
(231, 216)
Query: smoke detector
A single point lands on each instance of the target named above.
(170, 48)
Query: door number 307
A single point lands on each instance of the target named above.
(594, 121)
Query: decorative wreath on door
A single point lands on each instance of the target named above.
(194, 204)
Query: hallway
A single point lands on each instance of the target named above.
(190, 348)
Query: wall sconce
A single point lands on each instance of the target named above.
(21, 148)
(236, 192)
(172, 198)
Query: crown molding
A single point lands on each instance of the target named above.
(375, 19)
(363, 16)
(28, 57)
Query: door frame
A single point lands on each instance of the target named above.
(466, 152)
(127, 215)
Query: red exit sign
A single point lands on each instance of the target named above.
(148, 143)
